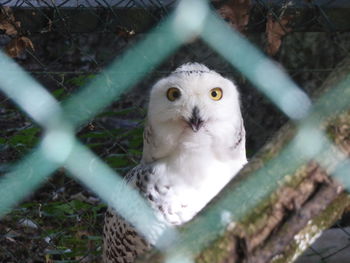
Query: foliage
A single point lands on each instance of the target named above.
(63, 221)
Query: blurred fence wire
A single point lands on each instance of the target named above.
(59, 122)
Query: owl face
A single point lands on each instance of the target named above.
(193, 97)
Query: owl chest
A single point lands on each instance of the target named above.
(182, 186)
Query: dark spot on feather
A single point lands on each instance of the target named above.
(108, 214)
(128, 241)
(240, 137)
(144, 242)
(131, 233)
(156, 188)
(128, 249)
(113, 253)
(150, 197)
(121, 252)
(149, 170)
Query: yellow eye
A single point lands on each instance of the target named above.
(216, 94)
(173, 94)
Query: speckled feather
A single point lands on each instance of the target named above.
(182, 167)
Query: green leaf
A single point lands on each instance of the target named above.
(118, 160)
(60, 93)
(136, 152)
(96, 134)
(121, 112)
(80, 80)
(27, 137)
(59, 251)
(98, 238)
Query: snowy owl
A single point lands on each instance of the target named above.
(194, 144)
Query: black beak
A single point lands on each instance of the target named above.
(195, 121)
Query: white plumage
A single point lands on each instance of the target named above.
(194, 143)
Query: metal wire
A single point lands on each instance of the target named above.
(60, 148)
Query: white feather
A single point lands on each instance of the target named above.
(197, 165)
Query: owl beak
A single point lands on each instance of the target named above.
(195, 122)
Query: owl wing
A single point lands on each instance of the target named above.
(239, 142)
(121, 241)
(237, 148)
(149, 144)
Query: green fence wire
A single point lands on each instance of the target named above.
(59, 147)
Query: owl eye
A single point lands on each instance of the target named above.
(216, 94)
(173, 94)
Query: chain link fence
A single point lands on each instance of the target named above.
(65, 45)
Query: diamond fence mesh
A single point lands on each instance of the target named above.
(67, 130)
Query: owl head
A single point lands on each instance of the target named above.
(195, 97)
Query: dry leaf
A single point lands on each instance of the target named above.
(235, 12)
(124, 33)
(48, 28)
(48, 259)
(81, 234)
(16, 47)
(8, 22)
(275, 30)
